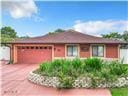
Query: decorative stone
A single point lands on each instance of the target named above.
(84, 82)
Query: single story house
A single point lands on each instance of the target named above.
(68, 44)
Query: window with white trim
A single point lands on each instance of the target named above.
(72, 50)
(98, 50)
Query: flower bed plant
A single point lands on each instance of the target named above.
(93, 70)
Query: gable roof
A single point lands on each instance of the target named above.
(66, 37)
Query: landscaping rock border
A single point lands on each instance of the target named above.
(83, 82)
(43, 80)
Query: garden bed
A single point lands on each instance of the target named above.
(83, 82)
(89, 73)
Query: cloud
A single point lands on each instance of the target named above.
(100, 27)
(37, 18)
(31, 34)
(20, 9)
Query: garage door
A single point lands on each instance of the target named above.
(34, 54)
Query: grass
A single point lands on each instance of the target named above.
(120, 91)
(125, 66)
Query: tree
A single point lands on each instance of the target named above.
(113, 35)
(57, 31)
(7, 34)
(117, 36)
(125, 36)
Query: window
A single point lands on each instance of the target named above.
(72, 50)
(98, 50)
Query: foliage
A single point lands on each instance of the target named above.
(119, 91)
(117, 36)
(94, 64)
(45, 68)
(7, 34)
(94, 82)
(8, 31)
(57, 31)
(125, 36)
(76, 63)
(66, 82)
(113, 35)
(116, 68)
(69, 70)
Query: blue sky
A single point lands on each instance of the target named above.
(38, 18)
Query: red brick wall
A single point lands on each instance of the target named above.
(59, 50)
(111, 51)
(84, 50)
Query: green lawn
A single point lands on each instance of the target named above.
(125, 66)
(120, 91)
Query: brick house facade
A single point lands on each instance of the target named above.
(69, 44)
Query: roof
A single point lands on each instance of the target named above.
(66, 37)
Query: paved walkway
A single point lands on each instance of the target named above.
(14, 83)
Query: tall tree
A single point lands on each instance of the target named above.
(117, 36)
(57, 31)
(7, 34)
(113, 35)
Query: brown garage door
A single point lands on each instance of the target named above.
(34, 54)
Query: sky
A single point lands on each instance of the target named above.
(35, 18)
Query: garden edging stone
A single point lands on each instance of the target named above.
(82, 82)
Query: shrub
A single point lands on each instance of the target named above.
(93, 64)
(105, 75)
(116, 68)
(66, 67)
(77, 67)
(56, 63)
(94, 82)
(44, 66)
(69, 70)
(66, 82)
(76, 63)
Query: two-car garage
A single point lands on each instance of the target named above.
(33, 54)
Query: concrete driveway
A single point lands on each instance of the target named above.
(14, 83)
